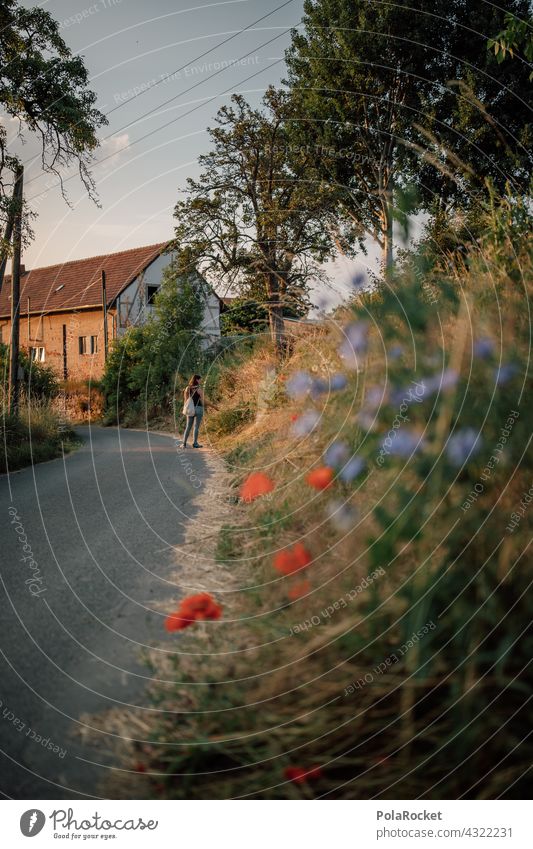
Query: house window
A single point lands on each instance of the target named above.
(37, 355)
(88, 344)
(151, 292)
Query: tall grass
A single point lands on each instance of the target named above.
(36, 434)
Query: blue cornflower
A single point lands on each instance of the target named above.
(342, 515)
(374, 397)
(299, 385)
(338, 381)
(395, 352)
(355, 343)
(336, 454)
(358, 281)
(306, 423)
(463, 445)
(319, 387)
(402, 443)
(352, 468)
(504, 373)
(483, 347)
(366, 420)
(446, 379)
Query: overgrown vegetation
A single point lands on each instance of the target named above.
(395, 664)
(38, 433)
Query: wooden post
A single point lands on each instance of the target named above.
(104, 308)
(65, 366)
(15, 294)
(7, 236)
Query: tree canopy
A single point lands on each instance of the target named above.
(408, 93)
(258, 218)
(44, 89)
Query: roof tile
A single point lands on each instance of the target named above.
(78, 283)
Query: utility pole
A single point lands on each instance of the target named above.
(104, 307)
(15, 293)
(7, 240)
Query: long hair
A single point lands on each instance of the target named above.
(195, 380)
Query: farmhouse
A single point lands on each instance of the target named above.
(65, 308)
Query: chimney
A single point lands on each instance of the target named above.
(22, 269)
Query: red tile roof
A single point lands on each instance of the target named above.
(77, 284)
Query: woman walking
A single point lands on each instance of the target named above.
(193, 409)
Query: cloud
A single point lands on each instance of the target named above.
(113, 151)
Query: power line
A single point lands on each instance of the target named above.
(178, 118)
(187, 91)
(163, 79)
(197, 58)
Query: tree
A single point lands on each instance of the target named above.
(516, 39)
(479, 130)
(257, 218)
(44, 88)
(402, 93)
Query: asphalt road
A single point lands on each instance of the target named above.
(87, 569)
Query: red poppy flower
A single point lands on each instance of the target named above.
(139, 767)
(298, 590)
(192, 609)
(256, 485)
(299, 775)
(292, 559)
(301, 555)
(284, 562)
(320, 478)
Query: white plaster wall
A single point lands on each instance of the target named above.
(132, 309)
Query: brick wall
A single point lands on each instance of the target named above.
(47, 332)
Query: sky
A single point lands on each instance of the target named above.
(140, 56)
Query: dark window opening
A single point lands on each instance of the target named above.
(151, 292)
